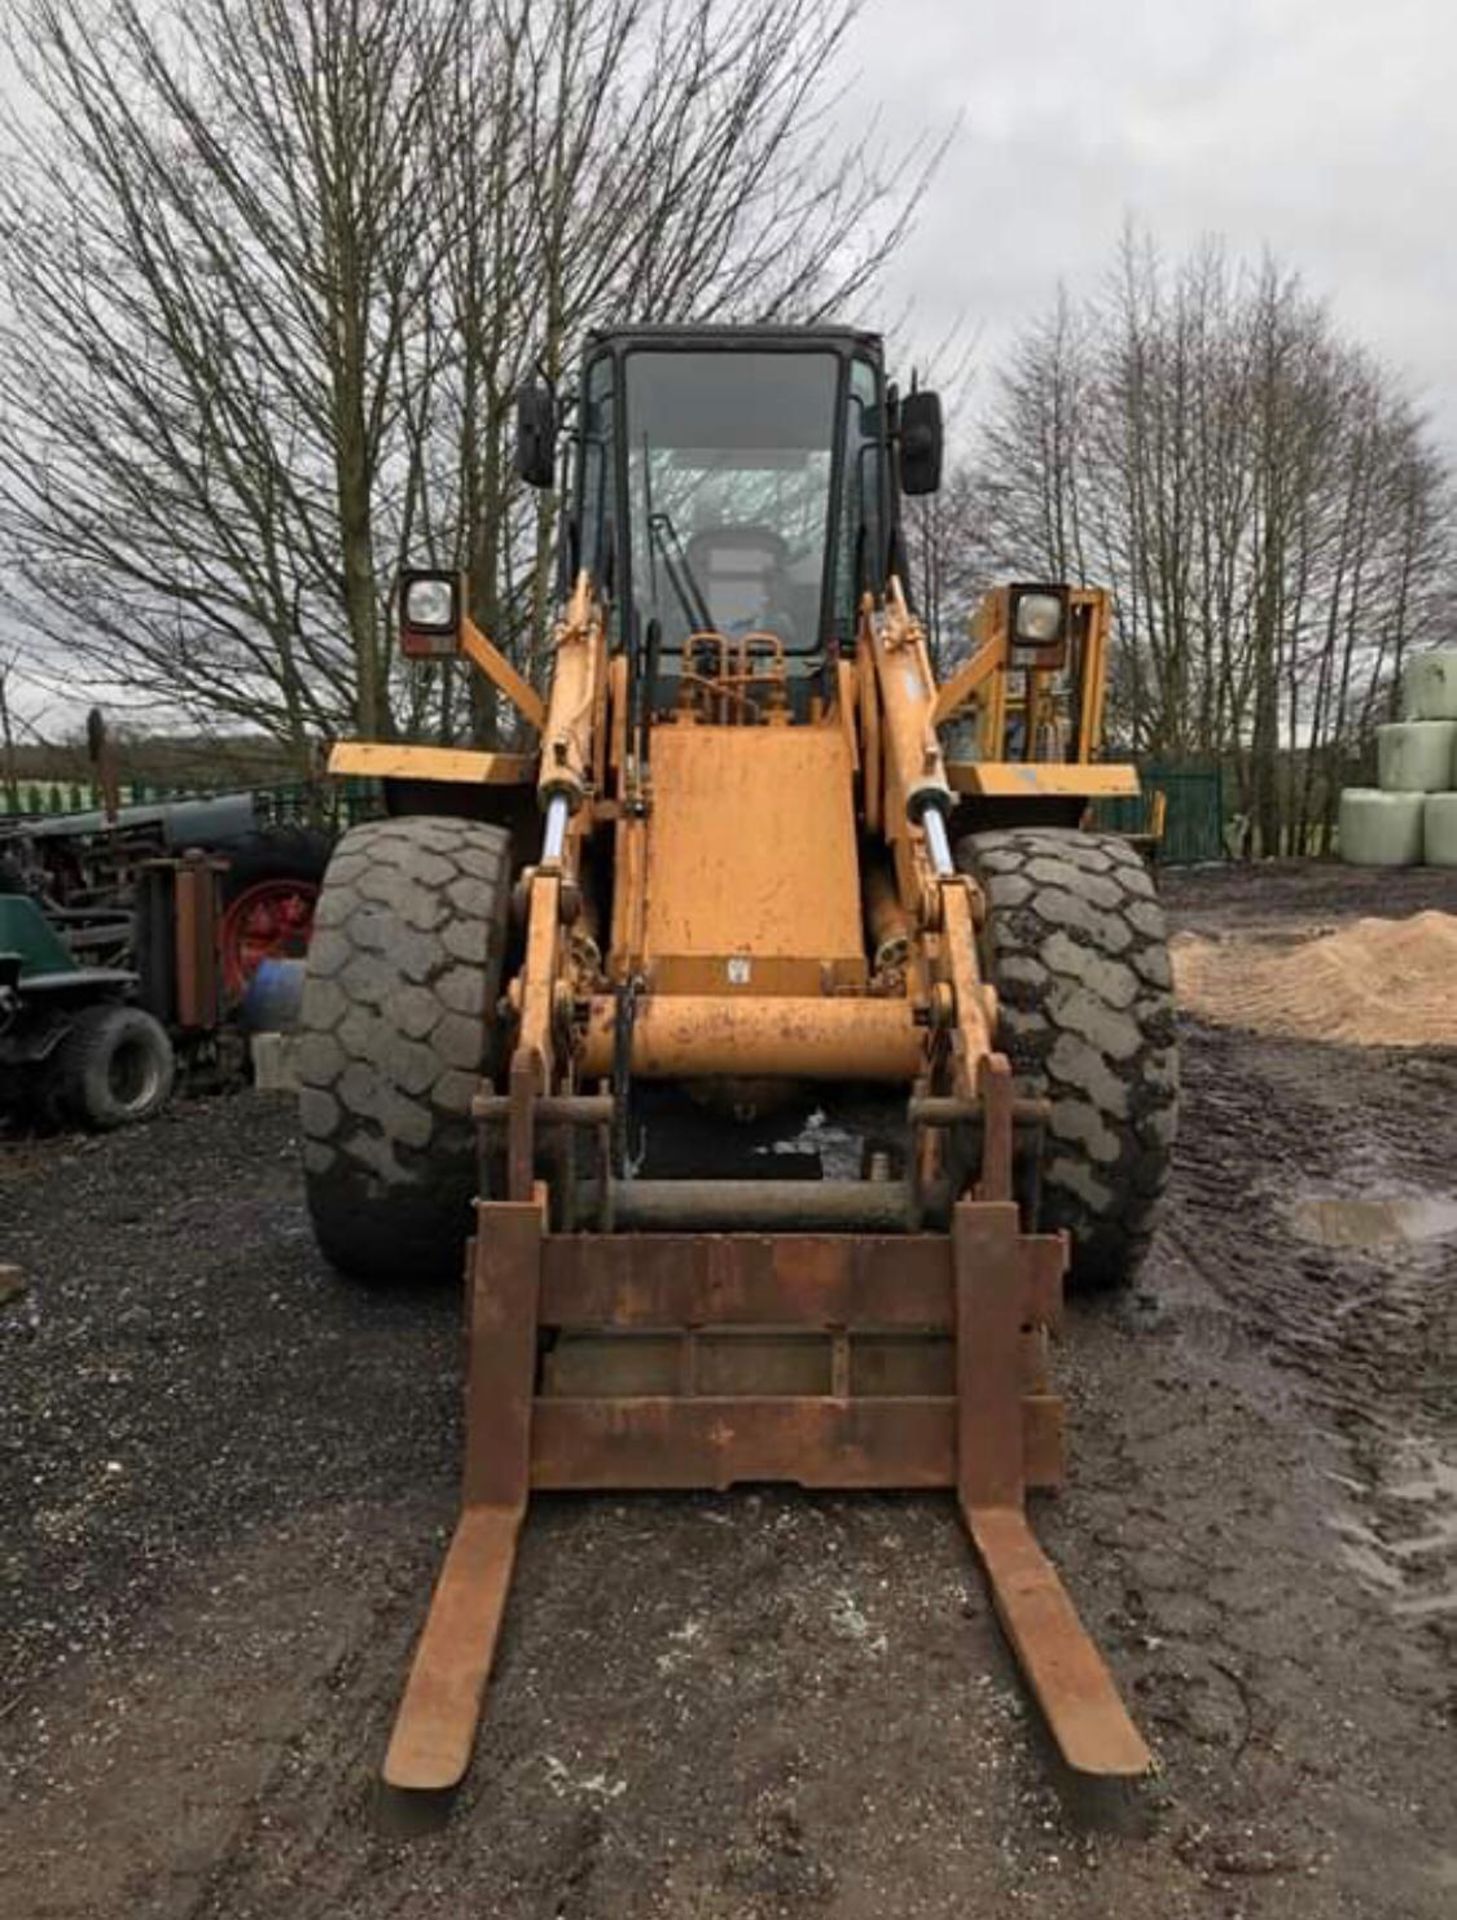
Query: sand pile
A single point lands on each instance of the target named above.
(1372, 983)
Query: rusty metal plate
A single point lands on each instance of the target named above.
(434, 1729)
(898, 1366)
(667, 1442)
(1043, 1465)
(902, 1364)
(885, 1281)
(988, 1355)
(598, 1366)
(501, 1367)
(765, 1280)
(719, 1442)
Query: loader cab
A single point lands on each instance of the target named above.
(734, 485)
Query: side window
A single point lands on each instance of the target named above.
(860, 558)
(597, 501)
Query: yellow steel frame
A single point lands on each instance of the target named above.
(1032, 779)
(388, 760)
(981, 682)
(486, 655)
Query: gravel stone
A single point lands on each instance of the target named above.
(227, 1478)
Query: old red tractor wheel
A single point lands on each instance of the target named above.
(270, 920)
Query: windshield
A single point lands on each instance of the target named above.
(729, 464)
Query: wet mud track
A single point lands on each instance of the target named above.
(226, 1479)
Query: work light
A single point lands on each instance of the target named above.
(429, 614)
(1039, 618)
(1038, 621)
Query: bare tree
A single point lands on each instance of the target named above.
(1261, 495)
(273, 270)
(9, 766)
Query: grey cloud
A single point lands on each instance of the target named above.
(1322, 129)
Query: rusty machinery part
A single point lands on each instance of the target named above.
(733, 679)
(269, 893)
(890, 1195)
(395, 1030)
(271, 920)
(114, 1068)
(174, 929)
(888, 925)
(1075, 944)
(703, 1361)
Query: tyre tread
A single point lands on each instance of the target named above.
(412, 929)
(1076, 946)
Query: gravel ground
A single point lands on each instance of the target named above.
(1292, 899)
(226, 1479)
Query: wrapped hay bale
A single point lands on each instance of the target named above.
(1381, 829)
(1429, 685)
(1415, 756)
(1440, 829)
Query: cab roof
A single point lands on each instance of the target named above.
(759, 339)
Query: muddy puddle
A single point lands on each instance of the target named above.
(1398, 1535)
(1408, 1219)
(1404, 1545)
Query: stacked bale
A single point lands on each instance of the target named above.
(1412, 815)
(1429, 685)
(1382, 829)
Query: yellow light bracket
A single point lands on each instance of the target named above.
(486, 655)
(434, 625)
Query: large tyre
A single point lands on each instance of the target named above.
(1076, 947)
(113, 1068)
(396, 1027)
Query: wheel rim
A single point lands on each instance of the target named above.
(133, 1076)
(268, 921)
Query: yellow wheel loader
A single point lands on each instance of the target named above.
(566, 1007)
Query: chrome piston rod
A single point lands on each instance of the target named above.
(555, 836)
(933, 825)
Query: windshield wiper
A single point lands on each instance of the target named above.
(664, 536)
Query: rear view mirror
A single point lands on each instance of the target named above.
(921, 443)
(536, 436)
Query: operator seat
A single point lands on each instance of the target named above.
(743, 572)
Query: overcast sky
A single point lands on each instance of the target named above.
(1325, 129)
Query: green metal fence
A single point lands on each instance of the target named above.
(1193, 812)
(329, 803)
(42, 798)
(1193, 819)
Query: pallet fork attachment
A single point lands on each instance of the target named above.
(986, 1291)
